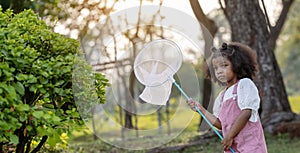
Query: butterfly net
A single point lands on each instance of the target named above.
(154, 67)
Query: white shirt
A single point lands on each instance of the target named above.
(248, 98)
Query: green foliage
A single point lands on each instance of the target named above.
(84, 83)
(295, 103)
(288, 54)
(36, 97)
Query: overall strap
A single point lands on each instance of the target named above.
(234, 92)
(235, 87)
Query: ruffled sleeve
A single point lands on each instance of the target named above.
(248, 97)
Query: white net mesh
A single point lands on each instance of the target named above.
(154, 67)
(158, 95)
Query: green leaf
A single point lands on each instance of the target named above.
(48, 105)
(38, 114)
(21, 77)
(43, 80)
(33, 88)
(56, 119)
(47, 116)
(20, 88)
(42, 131)
(45, 74)
(53, 140)
(14, 139)
(29, 128)
(32, 79)
(11, 92)
(23, 117)
(4, 125)
(22, 107)
(60, 82)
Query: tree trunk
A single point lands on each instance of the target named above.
(128, 120)
(129, 108)
(39, 146)
(22, 139)
(132, 80)
(159, 120)
(93, 124)
(209, 30)
(249, 26)
(168, 117)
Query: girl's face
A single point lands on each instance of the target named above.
(223, 70)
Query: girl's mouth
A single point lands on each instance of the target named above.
(221, 77)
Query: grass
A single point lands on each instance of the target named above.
(295, 103)
(82, 142)
(280, 143)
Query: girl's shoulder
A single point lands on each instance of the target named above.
(245, 80)
(246, 83)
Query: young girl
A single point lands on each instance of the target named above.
(236, 107)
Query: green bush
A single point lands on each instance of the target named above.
(36, 98)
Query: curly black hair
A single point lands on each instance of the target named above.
(242, 58)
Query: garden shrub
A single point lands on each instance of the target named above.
(36, 98)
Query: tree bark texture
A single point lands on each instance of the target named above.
(249, 26)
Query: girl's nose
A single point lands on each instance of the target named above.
(219, 71)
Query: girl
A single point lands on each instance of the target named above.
(236, 107)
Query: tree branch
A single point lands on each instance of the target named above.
(222, 8)
(39, 146)
(275, 31)
(111, 64)
(201, 17)
(266, 14)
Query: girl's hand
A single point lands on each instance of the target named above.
(192, 104)
(227, 142)
(210, 117)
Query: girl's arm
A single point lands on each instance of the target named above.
(238, 125)
(210, 117)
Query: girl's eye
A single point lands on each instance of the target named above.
(224, 65)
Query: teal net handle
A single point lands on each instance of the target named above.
(202, 115)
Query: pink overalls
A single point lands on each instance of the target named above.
(251, 137)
